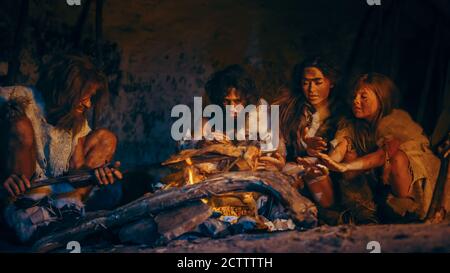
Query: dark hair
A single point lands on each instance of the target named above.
(327, 68)
(295, 110)
(363, 132)
(64, 82)
(232, 76)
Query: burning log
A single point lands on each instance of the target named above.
(302, 210)
(244, 157)
(220, 149)
(213, 158)
(167, 225)
(143, 231)
(173, 223)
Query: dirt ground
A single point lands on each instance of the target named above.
(406, 238)
(324, 239)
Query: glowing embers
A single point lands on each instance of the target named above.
(193, 166)
(232, 204)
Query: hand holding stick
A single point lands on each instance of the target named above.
(16, 185)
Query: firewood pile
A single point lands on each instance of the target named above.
(195, 165)
(213, 191)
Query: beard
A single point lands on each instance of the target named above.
(72, 121)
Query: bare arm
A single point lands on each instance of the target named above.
(19, 156)
(367, 162)
(22, 155)
(338, 153)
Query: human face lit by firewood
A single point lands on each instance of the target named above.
(365, 104)
(86, 102)
(233, 98)
(315, 86)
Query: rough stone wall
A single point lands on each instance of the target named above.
(160, 53)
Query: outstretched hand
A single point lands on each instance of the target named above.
(271, 163)
(312, 168)
(315, 144)
(331, 164)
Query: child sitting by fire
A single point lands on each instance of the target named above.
(381, 138)
(233, 87)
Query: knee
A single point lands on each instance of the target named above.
(401, 176)
(104, 138)
(99, 147)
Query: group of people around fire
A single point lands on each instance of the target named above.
(363, 159)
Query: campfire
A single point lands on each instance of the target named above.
(212, 160)
(214, 191)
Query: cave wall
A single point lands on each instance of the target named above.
(160, 53)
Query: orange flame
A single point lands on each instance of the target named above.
(190, 171)
(191, 181)
(189, 161)
(190, 175)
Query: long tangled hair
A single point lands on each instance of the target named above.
(296, 112)
(63, 83)
(235, 76)
(362, 132)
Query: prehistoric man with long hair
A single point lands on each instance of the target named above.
(45, 133)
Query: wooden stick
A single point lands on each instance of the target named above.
(78, 179)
